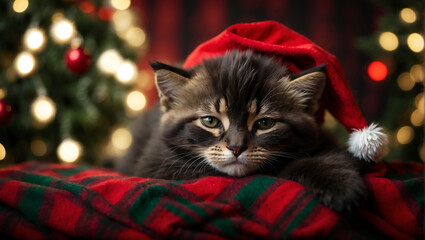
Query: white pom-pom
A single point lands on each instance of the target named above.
(369, 143)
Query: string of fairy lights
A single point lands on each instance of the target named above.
(110, 62)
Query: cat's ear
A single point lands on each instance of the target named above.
(310, 85)
(169, 81)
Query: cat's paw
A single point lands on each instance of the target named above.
(344, 196)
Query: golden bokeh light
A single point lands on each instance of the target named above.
(419, 98)
(135, 37)
(405, 135)
(419, 102)
(417, 118)
(43, 109)
(121, 138)
(407, 15)
(34, 39)
(38, 147)
(2, 152)
(122, 20)
(388, 41)
(415, 42)
(417, 72)
(126, 72)
(20, 6)
(69, 150)
(405, 81)
(62, 30)
(120, 4)
(136, 101)
(25, 63)
(109, 61)
(3, 93)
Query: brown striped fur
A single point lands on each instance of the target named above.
(244, 92)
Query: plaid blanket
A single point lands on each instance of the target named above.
(39, 201)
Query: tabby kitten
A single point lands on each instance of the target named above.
(241, 114)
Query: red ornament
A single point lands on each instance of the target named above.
(5, 113)
(77, 60)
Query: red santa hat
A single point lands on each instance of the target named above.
(298, 53)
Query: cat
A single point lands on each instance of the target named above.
(240, 114)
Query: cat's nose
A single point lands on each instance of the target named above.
(236, 150)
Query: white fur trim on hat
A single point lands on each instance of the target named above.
(369, 143)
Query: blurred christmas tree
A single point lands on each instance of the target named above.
(66, 84)
(396, 52)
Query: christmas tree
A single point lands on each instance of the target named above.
(67, 79)
(396, 60)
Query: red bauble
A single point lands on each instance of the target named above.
(5, 113)
(77, 60)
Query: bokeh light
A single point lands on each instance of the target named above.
(20, 6)
(25, 63)
(87, 7)
(63, 30)
(43, 109)
(405, 135)
(69, 150)
(105, 14)
(417, 118)
(121, 138)
(2, 152)
(415, 42)
(122, 20)
(126, 72)
(34, 39)
(136, 101)
(135, 36)
(38, 147)
(407, 15)
(377, 71)
(388, 41)
(405, 81)
(3, 93)
(419, 102)
(417, 72)
(109, 61)
(120, 4)
(419, 98)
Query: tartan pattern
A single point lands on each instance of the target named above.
(39, 201)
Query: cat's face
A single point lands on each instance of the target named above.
(238, 113)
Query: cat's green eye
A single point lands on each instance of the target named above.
(210, 122)
(265, 123)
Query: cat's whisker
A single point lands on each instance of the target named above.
(189, 158)
(194, 169)
(193, 161)
(203, 164)
(271, 163)
(172, 161)
(181, 147)
(183, 167)
(290, 155)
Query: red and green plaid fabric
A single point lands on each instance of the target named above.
(39, 201)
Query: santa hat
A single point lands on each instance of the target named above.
(298, 53)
